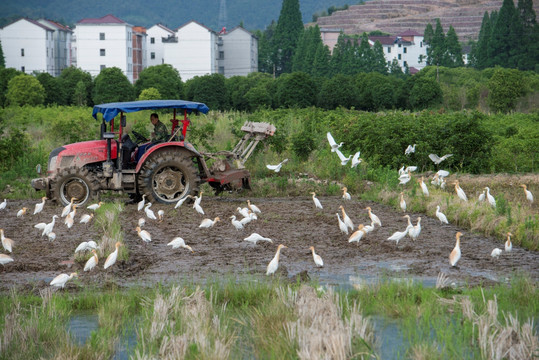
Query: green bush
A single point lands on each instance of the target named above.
(25, 90)
(302, 144)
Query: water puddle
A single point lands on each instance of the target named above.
(392, 342)
(127, 342)
(81, 326)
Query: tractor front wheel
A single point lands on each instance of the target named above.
(76, 183)
(168, 176)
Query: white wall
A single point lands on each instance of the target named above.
(240, 53)
(411, 56)
(36, 42)
(117, 45)
(157, 48)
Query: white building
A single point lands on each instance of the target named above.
(104, 42)
(154, 43)
(28, 46)
(239, 53)
(62, 45)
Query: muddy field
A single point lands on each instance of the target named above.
(221, 251)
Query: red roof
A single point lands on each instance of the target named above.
(413, 70)
(410, 33)
(58, 25)
(384, 40)
(107, 19)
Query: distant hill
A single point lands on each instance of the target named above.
(395, 16)
(255, 14)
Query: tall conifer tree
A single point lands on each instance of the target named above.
(503, 35)
(287, 33)
(453, 56)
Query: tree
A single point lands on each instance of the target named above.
(437, 50)
(338, 59)
(209, 89)
(424, 93)
(80, 95)
(428, 34)
(287, 33)
(453, 56)
(504, 35)
(395, 69)
(74, 93)
(2, 59)
(265, 51)
(164, 78)
(6, 75)
(379, 63)
(528, 57)
(296, 90)
(480, 53)
(340, 90)
(53, 90)
(505, 86)
(149, 94)
(25, 90)
(111, 85)
(364, 55)
(321, 61)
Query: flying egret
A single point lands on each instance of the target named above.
(342, 225)
(277, 167)
(410, 149)
(508, 244)
(149, 212)
(317, 259)
(161, 215)
(94, 207)
(402, 202)
(111, 259)
(528, 193)
(92, 262)
(460, 192)
(356, 160)
(344, 160)
(67, 208)
(399, 235)
(60, 280)
(39, 206)
(441, 216)
(253, 207)
(373, 217)
(490, 198)
(254, 238)
(140, 204)
(496, 253)
(442, 173)
(86, 245)
(208, 223)
(333, 143)
(482, 196)
(48, 228)
(4, 259)
(346, 219)
(22, 212)
(436, 159)
(7, 243)
(454, 257)
(3, 204)
(85, 219)
(178, 242)
(416, 230)
(237, 224)
(274, 263)
(357, 235)
(316, 201)
(346, 194)
(143, 234)
(423, 186)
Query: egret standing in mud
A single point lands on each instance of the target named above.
(399, 235)
(85, 219)
(496, 253)
(4, 259)
(373, 217)
(274, 263)
(143, 234)
(39, 206)
(48, 228)
(253, 207)
(60, 280)
(22, 212)
(317, 259)
(316, 201)
(441, 216)
(454, 257)
(358, 234)
(67, 208)
(92, 262)
(254, 238)
(178, 242)
(94, 207)
(346, 219)
(140, 204)
(208, 223)
(416, 230)
(237, 224)
(111, 259)
(7, 243)
(3, 204)
(508, 244)
(181, 201)
(149, 212)
(346, 194)
(402, 202)
(529, 195)
(342, 225)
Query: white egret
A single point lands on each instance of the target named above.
(7, 243)
(22, 212)
(346, 219)
(442, 173)
(3, 204)
(92, 262)
(111, 259)
(94, 207)
(254, 238)
(51, 236)
(86, 245)
(181, 201)
(198, 198)
(178, 242)
(405, 178)
(442, 184)
(39, 206)
(60, 280)
(161, 215)
(399, 235)
(342, 225)
(85, 219)
(67, 208)
(208, 223)
(40, 226)
(508, 244)
(356, 160)
(143, 234)
(369, 228)
(68, 221)
(274, 263)
(410, 149)
(237, 224)
(344, 160)
(4, 259)
(140, 204)
(436, 181)
(529, 195)
(317, 259)
(198, 208)
(416, 230)
(460, 193)
(48, 228)
(436, 159)
(317, 202)
(490, 198)
(423, 186)
(149, 212)
(246, 220)
(357, 235)
(402, 202)
(253, 207)
(373, 217)
(141, 222)
(482, 196)
(333, 143)
(454, 257)
(277, 167)
(496, 253)
(441, 216)
(346, 194)
(73, 211)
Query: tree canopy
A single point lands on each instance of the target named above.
(164, 78)
(111, 85)
(25, 90)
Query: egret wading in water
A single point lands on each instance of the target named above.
(274, 263)
(454, 257)
(316, 201)
(317, 259)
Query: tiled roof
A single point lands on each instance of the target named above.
(410, 33)
(164, 28)
(107, 19)
(57, 25)
(384, 40)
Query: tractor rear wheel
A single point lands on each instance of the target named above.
(168, 176)
(72, 182)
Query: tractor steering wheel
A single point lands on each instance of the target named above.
(139, 137)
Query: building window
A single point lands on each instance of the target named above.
(101, 36)
(221, 70)
(47, 52)
(152, 55)
(421, 44)
(22, 68)
(388, 50)
(22, 52)
(102, 52)
(129, 52)
(389, 63)
(405, 63)
(129, 36)
(400, 45)
(152, 40)
(400, 57)
(404, 50)
(221, 55)
(102, 67)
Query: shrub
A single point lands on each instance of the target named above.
(25, 90)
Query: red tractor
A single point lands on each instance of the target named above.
(165, 172)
